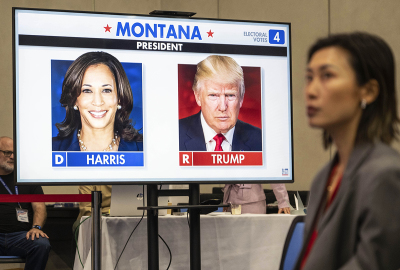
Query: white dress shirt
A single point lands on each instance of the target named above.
(209, 134)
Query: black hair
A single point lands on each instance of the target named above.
(71, 89)
(370, 58)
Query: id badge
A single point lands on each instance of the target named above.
(22, 215)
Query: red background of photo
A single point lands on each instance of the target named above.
(251, 108)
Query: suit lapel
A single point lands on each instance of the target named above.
(359, 154)
(239, 138)
(314, 210)
(319, 191)
(196, 141)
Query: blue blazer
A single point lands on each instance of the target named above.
(71, 143)
(191, 138)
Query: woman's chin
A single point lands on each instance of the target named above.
(317, 125)
(313, 124)
(96, 126)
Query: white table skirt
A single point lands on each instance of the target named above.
(228, 242)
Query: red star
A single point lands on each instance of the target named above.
(210, 34)
(107, 28)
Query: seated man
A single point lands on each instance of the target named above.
(21, 223)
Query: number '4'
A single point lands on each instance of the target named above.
(276, 38)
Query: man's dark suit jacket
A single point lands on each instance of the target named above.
(191, 138)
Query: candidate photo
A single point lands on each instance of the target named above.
(212, 114)
(96, 104)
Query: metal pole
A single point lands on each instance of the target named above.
(152, 228)
(96, 230)
(195, 246)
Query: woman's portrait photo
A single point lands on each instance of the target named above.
(96, 104)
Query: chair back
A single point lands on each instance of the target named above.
(293, 244)
(11, 259)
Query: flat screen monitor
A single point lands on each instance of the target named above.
(105, 98)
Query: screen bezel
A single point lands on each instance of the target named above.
(134, 181)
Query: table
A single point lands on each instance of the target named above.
(227, 242)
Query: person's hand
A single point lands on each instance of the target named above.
(35, 232)
(285, 210)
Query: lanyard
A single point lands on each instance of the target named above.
(9, 191)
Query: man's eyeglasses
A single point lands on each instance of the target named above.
(7, 153)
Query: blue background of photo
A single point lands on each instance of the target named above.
(59, 68)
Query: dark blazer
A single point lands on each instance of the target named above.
(71, 143)
(361, 228)
(191, 138)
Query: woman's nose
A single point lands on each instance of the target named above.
(97, 99)
(311, 89)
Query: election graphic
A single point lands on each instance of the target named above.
(150, 99)
(97, 115)
(217, 96)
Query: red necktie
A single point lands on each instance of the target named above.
(219, 138)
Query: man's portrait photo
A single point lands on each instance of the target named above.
(216, 114)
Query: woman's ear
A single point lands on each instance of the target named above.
(370, 91)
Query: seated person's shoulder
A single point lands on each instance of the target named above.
(89, 189)
(30, 189)
(86, 189)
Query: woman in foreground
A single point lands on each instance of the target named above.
(353, 217)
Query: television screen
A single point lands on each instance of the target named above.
(105, 98)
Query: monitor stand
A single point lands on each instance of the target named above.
(194, 208)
